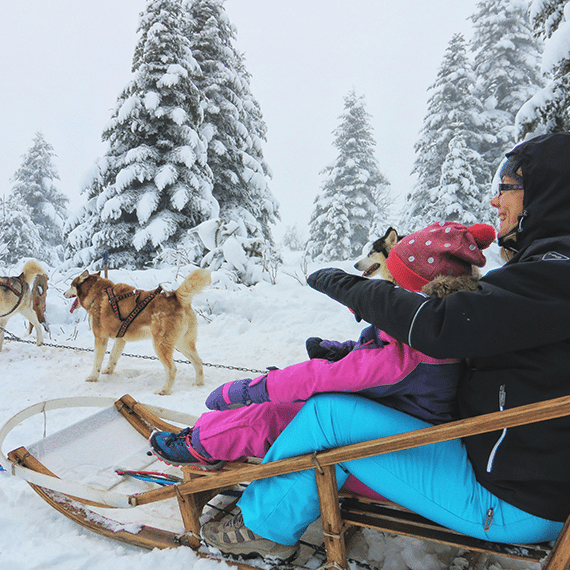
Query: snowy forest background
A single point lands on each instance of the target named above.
(184, 180)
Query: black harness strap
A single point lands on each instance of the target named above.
(9, 283)
(139, 306)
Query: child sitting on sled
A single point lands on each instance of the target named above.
(250, 414)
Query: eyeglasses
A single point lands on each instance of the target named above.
(508, 187)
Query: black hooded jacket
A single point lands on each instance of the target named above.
(514, 331)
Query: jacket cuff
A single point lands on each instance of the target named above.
(258, 391)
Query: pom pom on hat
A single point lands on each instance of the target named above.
(483, 234)
(443, 248)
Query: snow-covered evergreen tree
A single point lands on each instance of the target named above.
(354, 195)
(507, 70)
(458, 196)
(232, 121)
(454, 115)
(34, 185)
(234, 255)
(548, 110)
(293, 238)
(154, 183)
(20, 236)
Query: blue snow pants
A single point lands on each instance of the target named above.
(436, 481)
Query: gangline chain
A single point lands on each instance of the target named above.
(12, 336)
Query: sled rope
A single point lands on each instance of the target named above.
(12, 336)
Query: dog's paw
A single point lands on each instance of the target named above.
(92, 378)
(163, 392)
(108, 370)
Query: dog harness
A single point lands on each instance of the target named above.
(12, 284)
(139, 306)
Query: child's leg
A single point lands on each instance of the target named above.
(436, 481)
(353, 485)
(250, 431)
(247, 431)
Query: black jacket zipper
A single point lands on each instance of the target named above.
(502, 400)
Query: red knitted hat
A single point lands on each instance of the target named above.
(443, 248)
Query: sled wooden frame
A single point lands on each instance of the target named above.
(338, 515)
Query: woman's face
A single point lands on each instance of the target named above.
(509, 205)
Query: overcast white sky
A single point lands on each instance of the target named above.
(63, 64)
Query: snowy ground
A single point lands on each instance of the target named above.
(252, 328)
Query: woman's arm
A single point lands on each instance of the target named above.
(513, 310)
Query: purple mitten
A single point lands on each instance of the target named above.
(344, 347)
(239, 393)
(330, 350)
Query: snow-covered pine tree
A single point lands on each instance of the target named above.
(232, 121)
(34, 185)
(453, 113)
(293, 239)
(458, 195)
(355, 197)
(548, 110)
(507, 70)
(20, 236)
(154, 183)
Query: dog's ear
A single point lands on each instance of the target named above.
(387, 232)
(98, 274)
(391, 238)
(83, 276)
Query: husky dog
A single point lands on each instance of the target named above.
(16, 297)
(120, 311)
(374, 263)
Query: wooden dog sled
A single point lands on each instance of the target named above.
(78, 477)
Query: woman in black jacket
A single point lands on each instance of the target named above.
(514, 332)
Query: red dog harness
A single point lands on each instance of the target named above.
(140, 305)
(11, 283)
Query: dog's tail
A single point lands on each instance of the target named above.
(192, 285)
(31, 269)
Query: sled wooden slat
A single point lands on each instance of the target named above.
(144, 421)
(400, 521)
(333, 525)
(146, 536)
(560, 556)
(191, 507)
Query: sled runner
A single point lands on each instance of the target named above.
(76, 470)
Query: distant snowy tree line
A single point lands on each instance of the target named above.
(489, 94)
(184, 179)
(471, 116)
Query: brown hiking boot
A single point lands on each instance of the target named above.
(233, 538)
